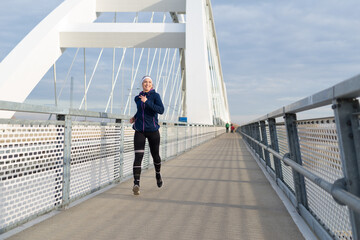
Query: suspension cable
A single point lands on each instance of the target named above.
(68, 73)
(91, 78)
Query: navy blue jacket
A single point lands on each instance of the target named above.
(146, 117)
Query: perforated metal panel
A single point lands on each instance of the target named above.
(95, 156)
(182, 141)
(272, 163)
(189, 132)
(283, 149)
(320, 154)
(31, 166)
(128, 150)
(171, 142)
(196, 135)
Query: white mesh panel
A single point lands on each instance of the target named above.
(272, 163)
(320, 154)
(181, 138)
(129, 154)
(95, 156)
(31, 166)
(171, 141)
(283, 148)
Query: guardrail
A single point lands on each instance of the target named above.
(316, 162)
(47, 164)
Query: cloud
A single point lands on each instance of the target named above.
(18, 18)
(273, 51)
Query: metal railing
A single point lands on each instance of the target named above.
(47, 164)
(316, 162)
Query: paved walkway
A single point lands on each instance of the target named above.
(215, 191)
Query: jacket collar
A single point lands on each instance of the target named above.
(147, 93)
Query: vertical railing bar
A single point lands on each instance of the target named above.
(122, 137)
(347, 126)
(67, 159)
(258, 137)
(265, 141)
(275, 145)
(295, 155)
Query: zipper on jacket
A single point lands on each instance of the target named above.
(143, 115)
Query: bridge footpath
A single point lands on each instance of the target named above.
(215, 191)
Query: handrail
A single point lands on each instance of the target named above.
(347, 89)
(32, 108)
(337, 192)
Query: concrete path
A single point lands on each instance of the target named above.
(215, 191)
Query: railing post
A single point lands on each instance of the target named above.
(295, 155)
(177, 138)
(265, 141)
(347, 126)
(164, 138)
(191, 136)
(122, 137)
(186, 127)
(275, 146)
(247, 131)
(67, 159)
(253, 136)
(257, 137)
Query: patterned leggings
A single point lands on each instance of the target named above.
(139, 146)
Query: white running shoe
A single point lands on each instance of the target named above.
(136, 190)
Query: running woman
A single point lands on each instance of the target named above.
(145, 124)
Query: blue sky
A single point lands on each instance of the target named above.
(272, 52)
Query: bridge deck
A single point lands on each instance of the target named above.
(215, 191)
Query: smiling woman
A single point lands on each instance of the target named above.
(146, 126)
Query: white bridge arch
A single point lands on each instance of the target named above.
(71, 25)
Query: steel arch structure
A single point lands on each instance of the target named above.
(72, 25)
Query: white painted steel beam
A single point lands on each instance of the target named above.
(128, 35)
(28, 62)
(198, 82)
(140, 6)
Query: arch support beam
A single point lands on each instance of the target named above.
(29, 61)
(128, 35)
(141, 6)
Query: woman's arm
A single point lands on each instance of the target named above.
(156, 105)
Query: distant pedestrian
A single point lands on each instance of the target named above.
(145, 124)
(232, 128)
(227, 127)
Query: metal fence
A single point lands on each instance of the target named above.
(45, 165)
(316, 162)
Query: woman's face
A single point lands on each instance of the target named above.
(147, 85)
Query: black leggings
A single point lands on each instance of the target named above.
(139, 146)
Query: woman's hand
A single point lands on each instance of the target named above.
(132, 120)
(143, 98)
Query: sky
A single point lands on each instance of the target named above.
(272, 52)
